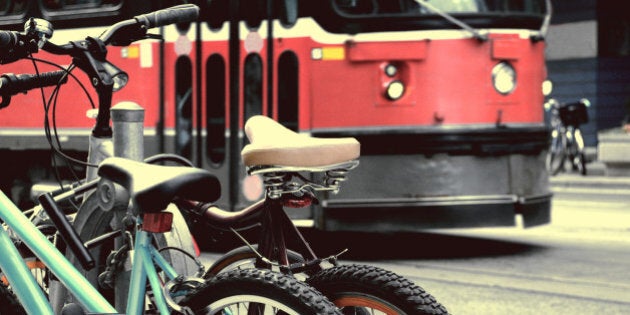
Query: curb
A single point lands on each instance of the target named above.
(578, 181)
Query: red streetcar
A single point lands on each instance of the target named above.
(446, 98)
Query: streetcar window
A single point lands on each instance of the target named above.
(13, 12)
(288, 90)
(456, 6)
(404, 7)
(183, 106)
(79, 4)
(252, 89)
(215, 109)
(86, 13)
(361, 16)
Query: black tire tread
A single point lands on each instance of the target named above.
(247, 281)
(386, 285)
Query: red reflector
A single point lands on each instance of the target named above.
(297, 202)
(159, 222)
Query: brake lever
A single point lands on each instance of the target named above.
(153, 36)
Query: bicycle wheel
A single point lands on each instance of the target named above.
(357, 289)
(577, 151)
(556, 155)
(256, 291)
(9, 304)
(362, 289)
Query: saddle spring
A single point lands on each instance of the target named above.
(334, 178)
(279, 183)
(274, 182)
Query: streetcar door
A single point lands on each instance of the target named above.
(231, 92)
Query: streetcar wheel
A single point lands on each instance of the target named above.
(240, 290)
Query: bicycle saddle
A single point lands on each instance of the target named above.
(273, 144)
(152, 187)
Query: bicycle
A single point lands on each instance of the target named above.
(567, 144)
(149, 197)
(126, 139)
(189, 295)
(280, 155)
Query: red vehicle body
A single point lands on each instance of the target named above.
(449, 113)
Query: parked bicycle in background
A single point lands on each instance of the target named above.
(567, 144)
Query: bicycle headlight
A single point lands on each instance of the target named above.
(119, 77)
(504, 78)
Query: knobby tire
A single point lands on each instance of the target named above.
(259, 287)
(354, 287)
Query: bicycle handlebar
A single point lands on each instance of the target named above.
(11, 84)
(15, 46)
(177, 14)
(8, 39)
(90, 54)
(125, 32)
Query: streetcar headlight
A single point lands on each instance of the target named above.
(391, 70)
(547, 87)
(504, 78)
(395, 90)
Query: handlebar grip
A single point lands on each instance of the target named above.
(68, 233)
(11, 84)
(8, 39)
(177, 14)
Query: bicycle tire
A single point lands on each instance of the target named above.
(556, 156)
(582, 164)
(261, 287)
(9, 304)
(364, 289)
(365, 286)
(579, 159)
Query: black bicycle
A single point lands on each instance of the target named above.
(567, 144)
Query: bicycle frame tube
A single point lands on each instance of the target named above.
(87, 295)
(22, 282)
(144, 255)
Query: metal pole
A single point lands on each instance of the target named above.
(128, 138)
(128, 121)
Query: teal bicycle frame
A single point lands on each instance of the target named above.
(31, 295)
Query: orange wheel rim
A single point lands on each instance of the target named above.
(31, 264)
(356, 301)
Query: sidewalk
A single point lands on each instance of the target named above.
(595, 182)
